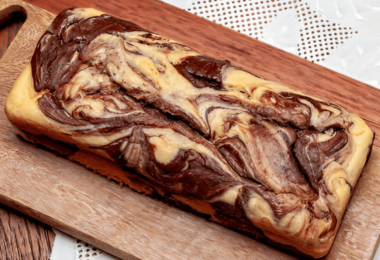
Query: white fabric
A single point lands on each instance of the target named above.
(66, 247)
(343, 35)
(63, 247)
(183, 4)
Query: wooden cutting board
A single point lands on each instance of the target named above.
(132, 226)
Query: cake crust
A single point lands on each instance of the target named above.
(229, 144)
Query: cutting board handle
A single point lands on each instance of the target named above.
(22, 48)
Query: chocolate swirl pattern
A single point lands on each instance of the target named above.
(268, 160)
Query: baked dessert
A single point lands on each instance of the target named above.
(162, 118)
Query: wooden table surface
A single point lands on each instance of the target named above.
(21, 237)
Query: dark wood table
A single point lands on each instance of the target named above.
(21, 237)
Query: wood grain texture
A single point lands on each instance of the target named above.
(3, 39)
(9, 30)
(132, 226)
(21, 237)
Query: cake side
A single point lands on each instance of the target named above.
(292, 199)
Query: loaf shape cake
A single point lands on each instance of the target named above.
(253, 154)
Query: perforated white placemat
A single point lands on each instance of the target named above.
(343, 35)
(66, 247)
(312, 36)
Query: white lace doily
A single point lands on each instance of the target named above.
(314, 36)
(66, 247)
(343, 35)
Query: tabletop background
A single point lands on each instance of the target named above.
(21, 237)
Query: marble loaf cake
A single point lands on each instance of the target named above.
(254, 155)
